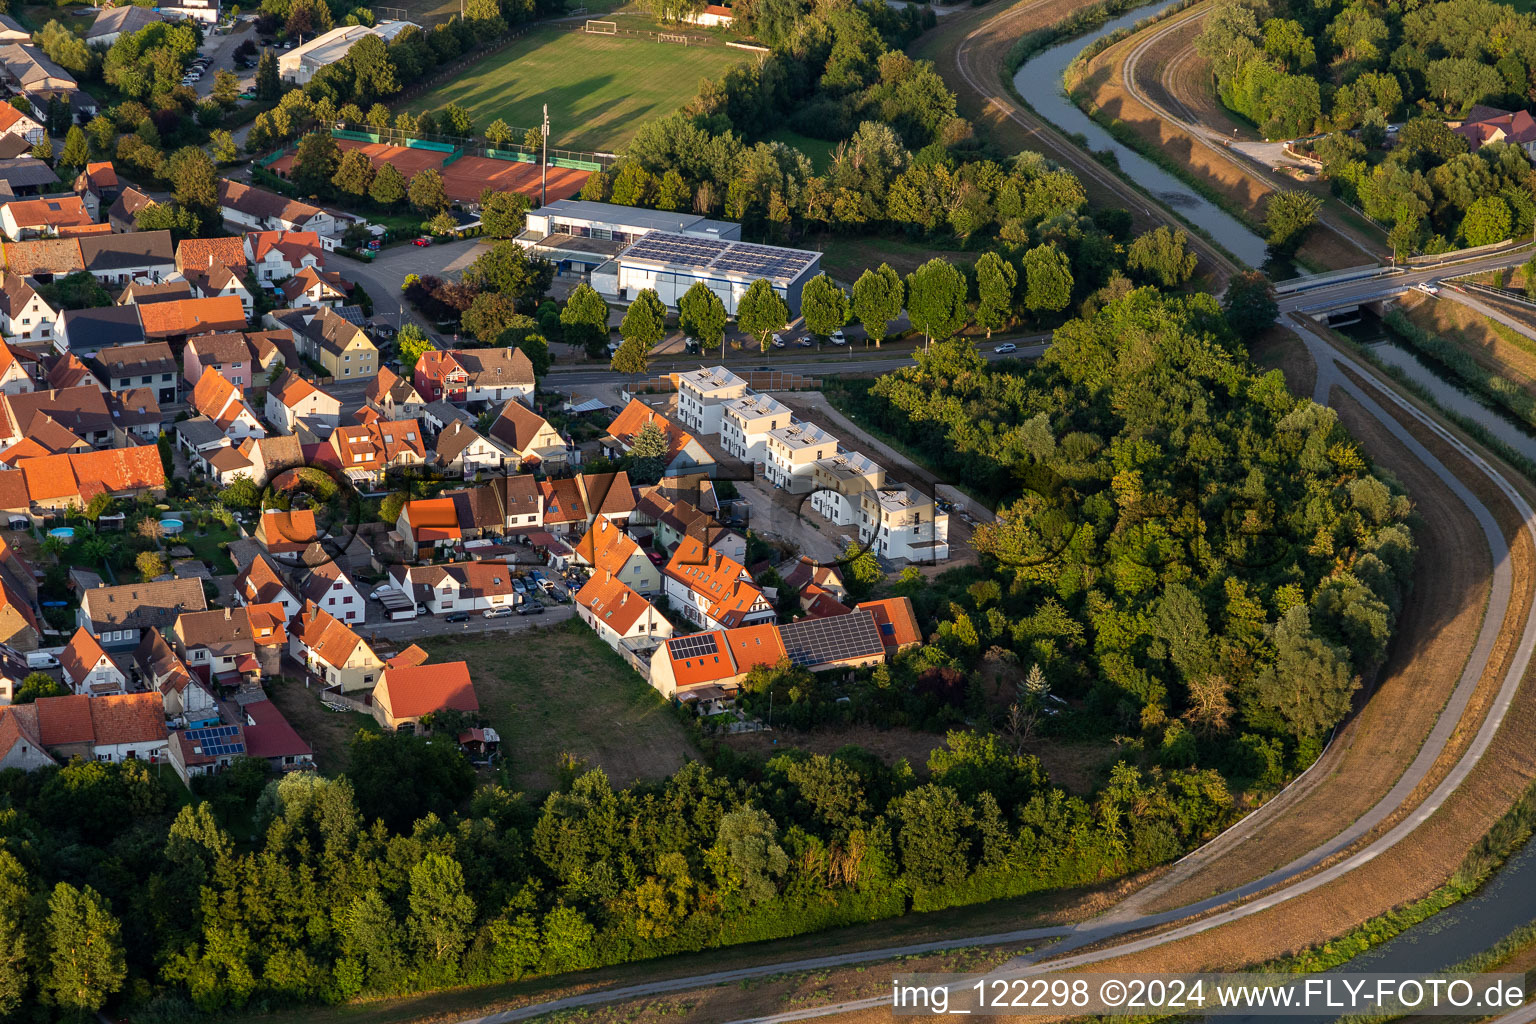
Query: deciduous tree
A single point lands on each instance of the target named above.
(426, 191)
(878, 299)
(761, 311)
(585, 320)
(702, 316)
(1048, 279)
(936, 300)
(996, 282)
(645, 322)
(824, 306)
(85, 953)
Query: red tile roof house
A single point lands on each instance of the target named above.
(177, 321)
(404, 695)
(617, 613)
(287, 533)
(230, 646)
(712, 590)
(161, 669)
(1485, 124)
(124, 727)
(43, 218)
(268, 735)
(292, 401)
(279, 255)
(331, 651)
(366, 452)
(262, 582)
(58, 481)
(20, 746)
(224, 403)
(440, 377)
(311, 287)
(88, 669)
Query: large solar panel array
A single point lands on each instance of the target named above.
(810, 642)
(217, 740)
(745, 259)
(695, 645)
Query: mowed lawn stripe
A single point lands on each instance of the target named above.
(600, 89)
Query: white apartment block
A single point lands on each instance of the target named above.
(900, 522)
(840, 483)
(793, 451)
(702, 396)
(745, 423)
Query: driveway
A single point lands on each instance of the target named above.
(409, 632)
(383, 275)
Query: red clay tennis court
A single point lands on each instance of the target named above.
(465, 178)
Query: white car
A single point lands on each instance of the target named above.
(381, 591)
(1428, 289)
(1005, 348)
(500, 612)
(837, 338)
(778, 342)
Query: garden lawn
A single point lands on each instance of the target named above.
(328, 732)
(556, 690)
(818, 150)
(600, 89)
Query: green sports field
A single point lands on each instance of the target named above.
(600, 89)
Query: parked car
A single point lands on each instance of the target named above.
(423, 240)
(381, 591)
(531, 608)
(1005, 348)
(778, 342)
(498, 613)
(838, 338)
(804, 341)
(457, 617)
(519, 586)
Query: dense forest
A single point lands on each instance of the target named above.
(1351, 70)
(1206, 562)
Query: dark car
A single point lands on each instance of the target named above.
(457, 617)
(530, 609)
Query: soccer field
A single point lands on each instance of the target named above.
(600, 89)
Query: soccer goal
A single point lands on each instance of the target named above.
(669, 37)
(603, 28)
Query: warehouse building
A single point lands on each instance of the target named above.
(671, 263)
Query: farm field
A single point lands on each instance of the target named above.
(600, 89)
(561, 690)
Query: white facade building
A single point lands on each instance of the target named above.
(746, 422)
(900, 522)
(840, 483)
(702, 396)
(793, 452)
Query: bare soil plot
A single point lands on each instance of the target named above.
(552, 691)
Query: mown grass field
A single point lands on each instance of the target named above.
(558, 690)
(600, 89)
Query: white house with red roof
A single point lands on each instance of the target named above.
(404, 695)
(224, 403)
(14, 122)
(279, 255)
(293, 401)
(712, 590)
(618, 613)
(88, 669)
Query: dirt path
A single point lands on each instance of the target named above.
(1477, 334)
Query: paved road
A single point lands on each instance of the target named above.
(382, 276)
(1390, 283)
(433, 625)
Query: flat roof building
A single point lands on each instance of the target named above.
(671, 263)
(578, 235)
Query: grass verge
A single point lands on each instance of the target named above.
(559, 690)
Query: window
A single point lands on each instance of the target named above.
(146, 379)
(26, 320)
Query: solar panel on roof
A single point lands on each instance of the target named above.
(835, 638)
(696, 645)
